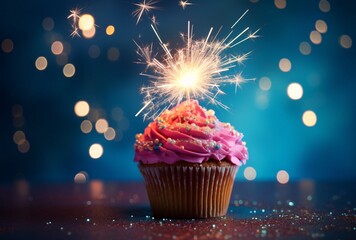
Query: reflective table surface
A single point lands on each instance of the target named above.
(116, 210)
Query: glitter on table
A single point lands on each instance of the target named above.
(102, 210)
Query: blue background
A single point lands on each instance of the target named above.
(276, 136)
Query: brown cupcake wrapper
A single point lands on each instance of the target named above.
(189, 191)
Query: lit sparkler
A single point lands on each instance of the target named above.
(145, 6)
(184, 4)
(198, 70)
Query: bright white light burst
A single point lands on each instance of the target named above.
(184, 4)
(145, 6)
(198, 70)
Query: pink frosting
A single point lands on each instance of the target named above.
(189, 133)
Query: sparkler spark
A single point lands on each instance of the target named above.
(74, 16)
(145, 6)
(198, 70)
(184, 4)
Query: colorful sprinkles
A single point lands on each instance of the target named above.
(184, 121)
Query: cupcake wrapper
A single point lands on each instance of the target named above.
(189, 191)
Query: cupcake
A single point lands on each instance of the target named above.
(189, 160)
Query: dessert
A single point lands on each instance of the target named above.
(189, 160)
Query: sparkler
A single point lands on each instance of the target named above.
(143, 7)
(198, 70)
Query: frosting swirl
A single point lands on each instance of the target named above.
(189, 133)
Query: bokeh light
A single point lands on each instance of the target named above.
(285, 65)
(101, 125)
(48, 24)
(321, 26)
(265, 84)
(280, 4)
(309, 118)
(315, 37)
(19, 137)
(69, 70)
(24, 147)
(94, 51)
(89, 33)
(282, 177)
(113, 54)
(86, 126)
(57, 48)
(110, 30)
(7, 45)
(86, 22)
(41, 63)
(345, 41)
(295, 91)
(80, 177)
(250, 173)
(305, 48)
(110, 134)
(324, 6)
(81, 108)
(96, 151)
